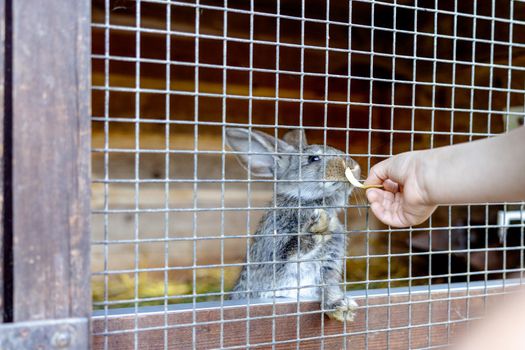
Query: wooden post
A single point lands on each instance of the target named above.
(2, 150)
(47, 137)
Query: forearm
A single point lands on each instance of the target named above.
(488, 170)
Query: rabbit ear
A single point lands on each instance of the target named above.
(263, 147)
(296, 138)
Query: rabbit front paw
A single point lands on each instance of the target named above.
(319, 222)
(344, 309)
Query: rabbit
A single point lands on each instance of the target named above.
(298, 248)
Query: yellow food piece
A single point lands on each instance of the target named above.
(350, 176)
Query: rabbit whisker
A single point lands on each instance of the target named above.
(362, 200)
(356, 201)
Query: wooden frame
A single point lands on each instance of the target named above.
(396, 318)
(45, 118)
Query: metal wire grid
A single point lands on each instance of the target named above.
(170, 180)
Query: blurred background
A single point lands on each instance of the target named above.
(365, 77)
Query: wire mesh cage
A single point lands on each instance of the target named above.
(174, 213)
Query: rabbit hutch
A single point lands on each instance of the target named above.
(152, 237)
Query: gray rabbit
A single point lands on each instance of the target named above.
(299, 247)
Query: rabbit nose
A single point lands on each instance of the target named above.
(335, 169)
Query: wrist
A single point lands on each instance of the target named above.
(426, 172)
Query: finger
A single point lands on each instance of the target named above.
(388, 200)
(374, 195)
(389, 216)
(378, 173)
(378, 210)
(388, 204)
(385, 206)
(384, 214)
(399, 212)
(391, 186)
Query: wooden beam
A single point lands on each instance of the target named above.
(50, 159)
(422, 319)
(122, 42)
(3, 286)
(153, 46)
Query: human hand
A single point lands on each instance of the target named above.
(404, 201)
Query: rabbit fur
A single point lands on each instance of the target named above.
(299, 246)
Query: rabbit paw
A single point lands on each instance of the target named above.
(345, 309)
(319, 221)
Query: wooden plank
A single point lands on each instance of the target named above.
(421, 319)
(2, 157)
(69, 333)
(50, 166)
(182, 50)
(264, 29)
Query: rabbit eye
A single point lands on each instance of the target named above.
(312, 159)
